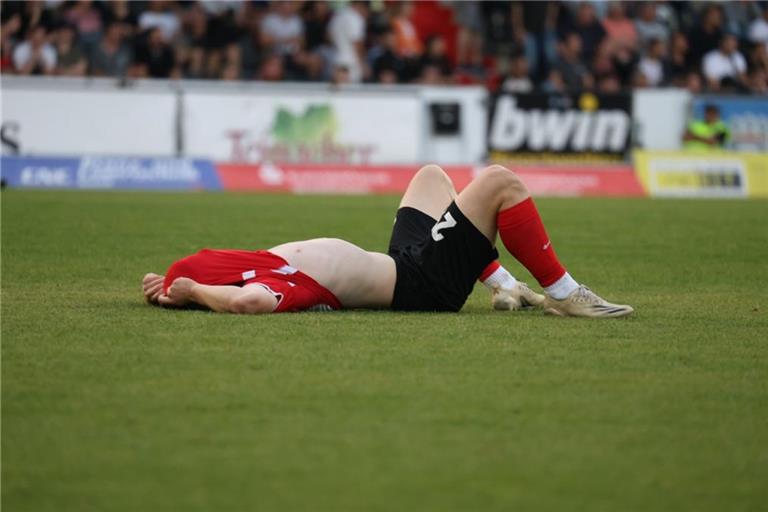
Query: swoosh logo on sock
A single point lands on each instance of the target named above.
(546, 245)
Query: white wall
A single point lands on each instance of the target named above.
(83, 122)
(660, 117)
(468, 147)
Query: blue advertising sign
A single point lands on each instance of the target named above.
(746, 117)
(110, 173)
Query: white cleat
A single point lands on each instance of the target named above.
(585, 303)
(515, 298)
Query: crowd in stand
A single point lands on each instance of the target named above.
(510, 46)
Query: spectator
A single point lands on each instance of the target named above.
(693, 82)
(347, 33)
(652, 65)
(620, 30)
(603, 62)
(758, 81)
(473, 71)
(386, 63)
(232, 63)
(573, 71)
(222, 32)
(154, 56)
(536, 23)
(271, 70)
(340, 76)
(282, 30)
(609, 85)
(758, 30)
(69, 56)
(316, 19)
(758, 57)
(554, 82)
(625, 63)
(119, 11)
(679, 61)
(725, 67)
(498, 32)
(431, 75)
(320, 53)
(111, 56)
(589, 30)
(739, 14)
(408, 43)
(435, 56)
(230, 71)
(649, 27)
(11, 26)
(710, 133)
(705, 37)
(87, 19)
(193, 43)
(518, 79)
(387, 77)
(232, 39)
(160, 15)
(35, 56)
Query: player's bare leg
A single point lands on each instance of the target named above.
(497, 201)
(431, 191)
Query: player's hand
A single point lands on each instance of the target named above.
(152, 286)
(179, 293)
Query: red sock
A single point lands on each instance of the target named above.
(524, 236)
(490, 269)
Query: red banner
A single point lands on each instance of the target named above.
(382, 179)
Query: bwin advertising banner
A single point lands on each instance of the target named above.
(541, 126)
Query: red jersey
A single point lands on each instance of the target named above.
(294, 290)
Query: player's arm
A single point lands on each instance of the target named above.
(689, 136)
(223, 299)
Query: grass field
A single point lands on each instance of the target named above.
(108, 404)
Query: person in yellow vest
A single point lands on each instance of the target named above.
(708, 134)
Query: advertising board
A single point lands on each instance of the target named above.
(109, 173)
(314, 127)
(618, 180)
(723, 174)
(559, 127)
(83, 122)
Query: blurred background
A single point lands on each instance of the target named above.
(583, 98)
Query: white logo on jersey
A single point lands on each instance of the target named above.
(448, 223)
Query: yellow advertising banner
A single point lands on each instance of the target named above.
(710, 174)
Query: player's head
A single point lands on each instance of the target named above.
(711, 113)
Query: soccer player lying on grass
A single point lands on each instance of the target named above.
(441, 244)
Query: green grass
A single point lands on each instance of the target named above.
(108, 404)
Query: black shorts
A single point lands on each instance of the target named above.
(437, 262)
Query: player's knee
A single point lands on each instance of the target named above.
(432, 172)
(504, 181)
